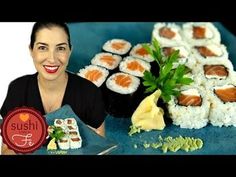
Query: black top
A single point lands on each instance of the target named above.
(83, 96)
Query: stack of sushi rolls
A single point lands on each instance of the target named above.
(200, 33)
(201, 51)
(72, 138)
(167, 34)
(191, 108)
(121, 94)
(95, 74)
(117, 46)
(223, 105)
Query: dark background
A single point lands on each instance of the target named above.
(230, 26)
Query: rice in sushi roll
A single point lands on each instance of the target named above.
(134, 66)
(95, 74)
(121, 95)
(190, 109)
(200, 33)
(167, 34)
(117, 46)
(106, 60)
(138, 51)
(223, 105)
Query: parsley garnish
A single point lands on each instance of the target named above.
(57, 133)
(169, 80)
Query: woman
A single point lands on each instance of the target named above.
(52, 86)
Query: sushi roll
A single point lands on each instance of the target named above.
(200, 33)
(72, 128)
(75, 142)
(216, 52)
(138, 51)
(64, 143)
(117, 46)
(59, 122)
(185, 57)
(70, 122)
(121, 94)
(190, 109)
(209, 75)
(95, 74)
(223, 105)
(134, 66)
(106, 60)
(167, 34)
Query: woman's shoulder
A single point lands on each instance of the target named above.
(23, 80)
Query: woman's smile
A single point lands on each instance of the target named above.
(51, 69)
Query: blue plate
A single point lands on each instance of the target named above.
(92, 143)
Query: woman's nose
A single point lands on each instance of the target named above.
(52, 57)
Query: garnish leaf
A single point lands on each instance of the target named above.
(169, 79)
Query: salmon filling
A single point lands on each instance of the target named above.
(199, 32)
(123, 80)
(215, 70)
(75, 139)
(205, 52)
(142, 51)
(134, 65)
(108, 59)
(168, 51)
(118, 45)
(189, 100)
(226, 95)
(93, 75)
(166, 32)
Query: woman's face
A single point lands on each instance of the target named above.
(51, 52)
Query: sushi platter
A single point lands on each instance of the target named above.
(216, 131)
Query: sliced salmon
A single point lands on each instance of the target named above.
(108, 59)
(118, 45)
(189, 100)
(93, 75)
(75, 139)
(134, 66)
(123, 80)
(199, 32)
(168, 51)
(218, 70)
(141, 51)
(227, 94)
(205, 52)
(166, 32)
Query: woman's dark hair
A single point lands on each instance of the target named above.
(40, 25)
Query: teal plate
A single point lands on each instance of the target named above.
(92, 143)
(87, 40)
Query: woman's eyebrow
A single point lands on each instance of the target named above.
(41, 43)
(62, 44)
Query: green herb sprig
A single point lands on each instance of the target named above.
(57, 133)
(170, 79)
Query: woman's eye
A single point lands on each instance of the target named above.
(42, 48)
(61, 48)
